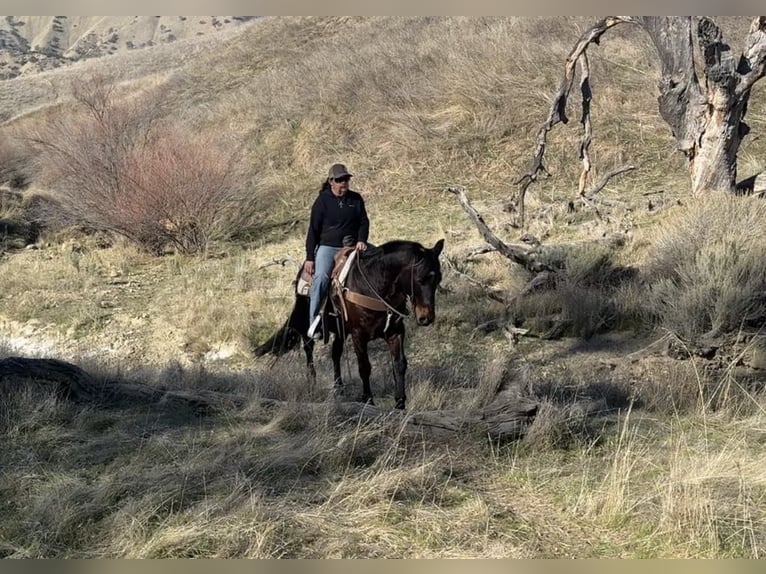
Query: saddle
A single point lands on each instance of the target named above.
(341, 267)
(342, 263)
(344, 259)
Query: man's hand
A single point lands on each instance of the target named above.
(308, 267)
(361, 246)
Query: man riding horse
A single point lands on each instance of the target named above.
(338, 213)
(372, 302)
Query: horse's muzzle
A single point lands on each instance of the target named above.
(424, 316)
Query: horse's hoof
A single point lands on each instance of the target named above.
(368, 400)
(399, 405)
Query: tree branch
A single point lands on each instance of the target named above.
(479, 251)
(557, 111)
(488, 291)
(753, 62)
(601, 184)
(279, 261)
(515, 253)
(585, 121)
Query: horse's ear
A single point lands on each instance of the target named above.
(437, 249)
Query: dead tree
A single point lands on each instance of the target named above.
(706, 115)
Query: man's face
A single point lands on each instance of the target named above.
(339, 185)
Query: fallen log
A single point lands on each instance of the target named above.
(506, 418)
(65, 379)
(71, 382)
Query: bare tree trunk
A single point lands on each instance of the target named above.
(705, 116)
(706, 119)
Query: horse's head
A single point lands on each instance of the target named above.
(426, 276)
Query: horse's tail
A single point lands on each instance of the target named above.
(290, 335)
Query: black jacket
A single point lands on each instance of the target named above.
(332, 218)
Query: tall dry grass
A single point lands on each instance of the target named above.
(143, 481)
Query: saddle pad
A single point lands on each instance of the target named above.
(342, 265)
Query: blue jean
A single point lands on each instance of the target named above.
(323, 263)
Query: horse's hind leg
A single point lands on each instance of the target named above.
(308, 348)
(396, 348)
(365, 368)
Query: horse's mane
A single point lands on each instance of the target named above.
(403, 246)
(396, 253)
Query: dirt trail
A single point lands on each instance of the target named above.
(125, 341)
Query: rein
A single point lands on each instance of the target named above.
(379, 297)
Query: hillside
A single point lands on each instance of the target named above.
(30, 44)
(641, 344)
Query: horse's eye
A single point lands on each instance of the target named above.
(427, 279)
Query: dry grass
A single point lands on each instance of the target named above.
(139, 481)
(669, 464)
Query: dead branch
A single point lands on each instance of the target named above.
(755, 56)
(488, 291)
(513, 334)
(601, 184)
(516, 253)
(585, 120)
(506, 418)
(479, 251)
(65, 379)
(71, 382)
(557, 111)
(279, 261)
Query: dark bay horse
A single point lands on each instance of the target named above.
(390, 274)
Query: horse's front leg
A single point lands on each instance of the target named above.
(365, 368)
(337, 353)
(396, 347)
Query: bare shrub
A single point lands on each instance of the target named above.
(707, 274)
(184, 189)
(111, 165)
(14, 157)
(583, 297)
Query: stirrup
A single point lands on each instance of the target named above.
(314, 332)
